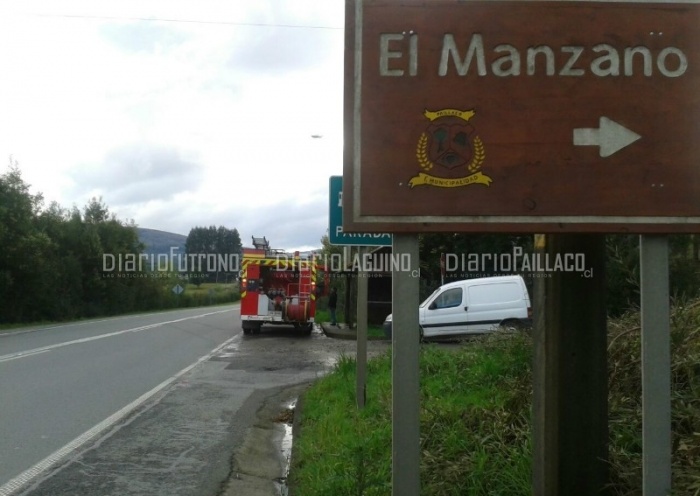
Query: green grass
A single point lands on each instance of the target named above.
(375, 332)
(210, 290)
(625, 408)
(325, 316)
(469, 435)
(206, 294)
(475, 418)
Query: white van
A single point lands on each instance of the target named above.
(474, 306)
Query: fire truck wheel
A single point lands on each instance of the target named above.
(254, 329)
(306, 329)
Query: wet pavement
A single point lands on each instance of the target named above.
(215, 431)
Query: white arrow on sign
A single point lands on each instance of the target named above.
(610, 137)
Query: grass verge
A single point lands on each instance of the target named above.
(475, 418)
(464, 446)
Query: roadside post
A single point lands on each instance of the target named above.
(566, 130)
(656, 365)
(405, 373)
(361, 375)
(177, 291)
(336, 236)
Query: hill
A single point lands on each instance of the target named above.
(157, 242)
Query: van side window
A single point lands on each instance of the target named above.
(450, 298)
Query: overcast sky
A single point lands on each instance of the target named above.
(178, 113)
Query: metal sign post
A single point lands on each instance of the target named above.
(405, 376)
(361, 355)
(656, 366)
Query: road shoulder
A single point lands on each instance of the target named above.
(261, 465)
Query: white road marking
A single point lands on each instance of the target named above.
(35, 351)
(27, 476)
(21, 354)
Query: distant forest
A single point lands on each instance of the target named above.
(60, 264)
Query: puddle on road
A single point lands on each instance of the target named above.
(228, 352)
(331, 361)
(286, 418)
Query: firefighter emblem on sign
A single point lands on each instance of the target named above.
(449, 151)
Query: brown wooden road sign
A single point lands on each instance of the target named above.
(522, 116)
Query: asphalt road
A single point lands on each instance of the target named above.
(177, 403)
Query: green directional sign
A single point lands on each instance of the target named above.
(336, 234)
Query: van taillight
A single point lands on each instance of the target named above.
(529, 312)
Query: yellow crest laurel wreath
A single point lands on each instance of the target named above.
(473, 167)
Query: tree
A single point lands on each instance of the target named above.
(96, 212)
(24, 247)
(205, 245)
(622, 270)
(228, 242)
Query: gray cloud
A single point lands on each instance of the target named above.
(138, 173)
(285, 49)
(295, 226)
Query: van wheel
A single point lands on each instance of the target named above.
(512, 326)
(421, 337)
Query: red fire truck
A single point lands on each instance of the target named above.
(277, 288)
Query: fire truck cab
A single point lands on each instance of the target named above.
(277, 288)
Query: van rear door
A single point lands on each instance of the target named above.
(491, 302)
